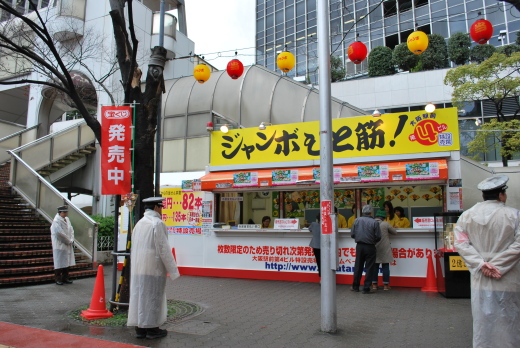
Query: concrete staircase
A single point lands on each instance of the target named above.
(25, 242)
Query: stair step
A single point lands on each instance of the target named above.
(40, 269)
(35, 261)
(24, 246)
(45, 278)
(21, 219)
(29, 237)
(25, 253)
(30, 231)
(26, 224)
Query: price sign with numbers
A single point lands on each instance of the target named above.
(182, 212)
(457, 264)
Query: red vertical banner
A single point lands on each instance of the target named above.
(116, 141)
(326, 221)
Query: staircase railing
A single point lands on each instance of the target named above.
(44, 197)
(15, 140)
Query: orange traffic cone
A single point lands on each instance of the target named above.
(431, 282)
(98, 308)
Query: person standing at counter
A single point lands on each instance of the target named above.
(487, 237)
(391, 218)
(402, 221)
(266, 221)
(383, 251)
(315, 244)
(366, 232)
(342, 222)
(351, 219)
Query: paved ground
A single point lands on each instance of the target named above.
(258, 313)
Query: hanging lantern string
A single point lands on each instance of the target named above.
(489, 10)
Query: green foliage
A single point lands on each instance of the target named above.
(337, 71)
(403, 58)
(517, 38)
(106, 224)
(436, 55)
(497, 135)
(494, 79)
(458, 48)
(480, 53)
(380, 62)
(418, 67)
(508, 49)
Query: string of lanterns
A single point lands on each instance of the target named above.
(481, 31)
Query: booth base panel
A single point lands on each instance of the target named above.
(406, 282)
(411, 282)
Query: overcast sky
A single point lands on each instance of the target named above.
(220, 26)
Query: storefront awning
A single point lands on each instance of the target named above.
(402, 172)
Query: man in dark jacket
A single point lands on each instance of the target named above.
(366, 232)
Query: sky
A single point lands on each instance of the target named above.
(222, 26)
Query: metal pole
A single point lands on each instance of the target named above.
(159, 111)
(328, 222)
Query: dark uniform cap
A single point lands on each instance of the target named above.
(63, 208)
(493, 183)
(154, 200)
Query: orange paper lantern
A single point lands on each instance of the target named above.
(201, 73)
(285, 61)
(417, 42)
(357, 52)
(481, 31)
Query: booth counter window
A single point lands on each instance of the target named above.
(250, 207)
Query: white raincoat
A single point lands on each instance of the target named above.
(62, 236)
(490, 232)
(151, 260)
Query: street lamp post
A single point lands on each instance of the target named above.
(329, 225)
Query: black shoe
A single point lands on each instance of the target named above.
(140, 333)
(366, 291)
(68, 282)
(354, 289)
(155, 333)
(59, 283)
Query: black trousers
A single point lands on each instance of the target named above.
(317, 255)
(365, 258)
(61, 274)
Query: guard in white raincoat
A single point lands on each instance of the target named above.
(62, 236)
(487, 236)
(151, 262)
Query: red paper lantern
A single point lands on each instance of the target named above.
(357, 52)
(235, 68)
(481, 31)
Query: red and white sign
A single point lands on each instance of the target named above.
(426, 222)
(287, 224)
(326, 222)
(116, 140)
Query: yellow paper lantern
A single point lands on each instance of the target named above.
(285, 61)
(201, 73)
(417, 42)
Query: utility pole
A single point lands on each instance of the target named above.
(329, 227)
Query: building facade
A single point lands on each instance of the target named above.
(293, 24)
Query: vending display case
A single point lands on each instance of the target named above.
(453, 277)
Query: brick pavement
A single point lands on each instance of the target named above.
(260, 313)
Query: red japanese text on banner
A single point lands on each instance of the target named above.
(116, 140)
(326, 222)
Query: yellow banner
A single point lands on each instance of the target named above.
(182, 211)
(390, 134)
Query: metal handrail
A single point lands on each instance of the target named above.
(81, 222)
(4, 156)
(55, 146)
